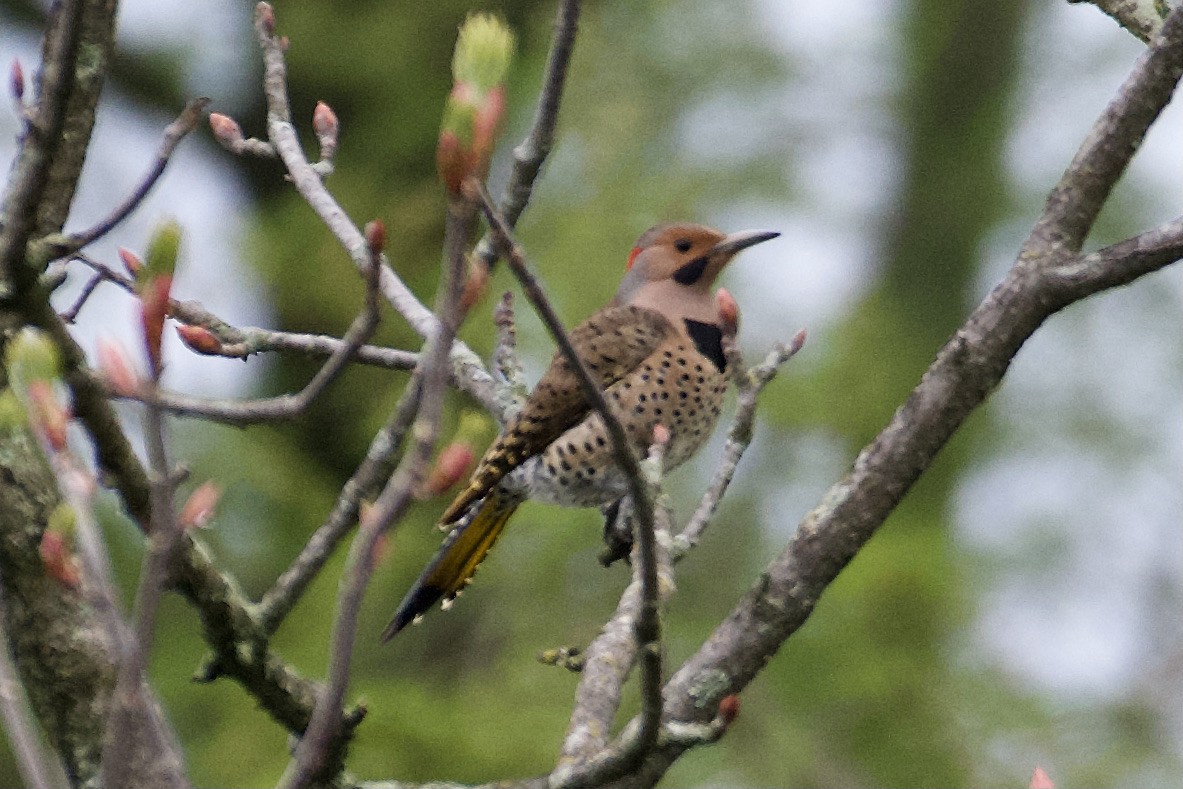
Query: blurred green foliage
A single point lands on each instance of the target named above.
(868, 693)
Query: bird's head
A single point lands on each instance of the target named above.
(673, 266)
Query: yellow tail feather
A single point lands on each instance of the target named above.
(456, 562)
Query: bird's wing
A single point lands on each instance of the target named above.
(612, 343)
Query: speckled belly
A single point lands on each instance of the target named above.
(676, 387)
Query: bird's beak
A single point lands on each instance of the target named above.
(735, 242)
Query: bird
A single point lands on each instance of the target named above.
(656, 351)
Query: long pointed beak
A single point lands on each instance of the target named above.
(734, 242)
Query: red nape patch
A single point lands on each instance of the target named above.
(632, 256)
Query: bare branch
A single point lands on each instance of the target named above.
(377, 466)
(470, 373)
(1142, 18)
(128, 700)
(1076, 200)
(241, 342)
(529, 156)
(586, 759)
(750, 383)
(506, 362)
(241, 413)
(319, 755)
(59, 246)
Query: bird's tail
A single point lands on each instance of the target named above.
(457, 560)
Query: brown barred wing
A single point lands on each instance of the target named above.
(612, 343)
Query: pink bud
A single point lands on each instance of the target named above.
(729, 709)
(484, 127)
(200, 340)
(375, 232)
(117, 368)
(728, 311)
(226, 130)
(1041, 780)
(16, 80)
(452, 465)
(49, 415)
(153, 311)
(199, 508)
(58, 560)
(131, 261)
(452, 161)
(324, 120)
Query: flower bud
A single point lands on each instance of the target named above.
(16, 80)
(729, 709)
(153, 311)
(483, 51)
(200, 340)
(48, 414)
(131, 261)
(200, 507)
(265, 18)
(164, 248)
(226, 130)
(324, 121)
(375, 232)
(116, 367)
(453, 465)
(476, 104)
(58, 559)
(31, 356)
(728, 311)
(1041, 780)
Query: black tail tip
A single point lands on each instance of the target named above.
(417, 603)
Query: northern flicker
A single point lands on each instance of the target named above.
(656, 349)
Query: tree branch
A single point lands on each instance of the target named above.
(320, 752)
(60, 246)
(529, 156)
(470, 373)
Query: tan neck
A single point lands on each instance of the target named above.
(676, 302)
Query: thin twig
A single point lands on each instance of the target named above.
(1140, 17)
(586, 758)
(316, 758)
(289, 406)
(279, 600)
(241, 342)
(647, 625)
(164, 539)
(60, 246)
(1073, 205)
(531, 153)
(42, 136)
(71, 315)
(77, 488)
(506, 362)
(470, 373)
(750, 383)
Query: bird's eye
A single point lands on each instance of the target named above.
(682, 245)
